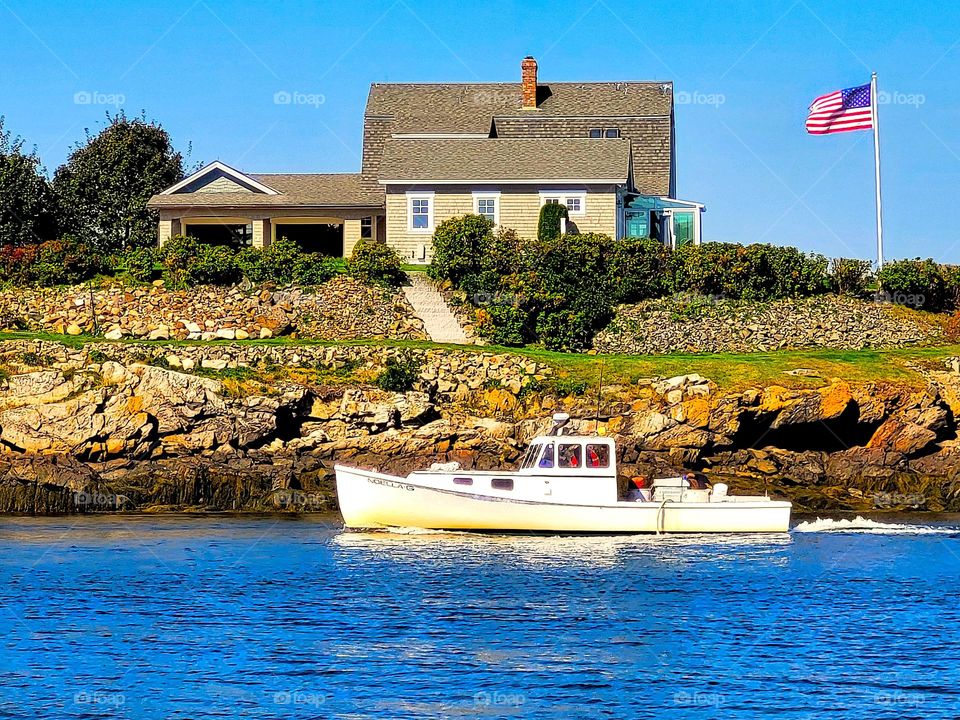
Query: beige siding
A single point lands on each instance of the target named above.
(519, 210)
(223, 185)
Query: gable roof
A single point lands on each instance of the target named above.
(470, 107)
(214, 171)
(287, 190)
(524, 160)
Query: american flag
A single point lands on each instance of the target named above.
(841, 111)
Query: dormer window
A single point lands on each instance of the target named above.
(596, 132)
(612, 132)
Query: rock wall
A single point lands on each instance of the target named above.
(101, 428)
(695, 324)
(342, 309)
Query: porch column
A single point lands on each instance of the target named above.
(261, 233)
(168, 228)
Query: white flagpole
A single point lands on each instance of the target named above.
(876, 160)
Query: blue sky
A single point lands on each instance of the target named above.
(209, 70)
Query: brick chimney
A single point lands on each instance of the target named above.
(528, 78)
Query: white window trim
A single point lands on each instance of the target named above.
(431, 209)
(563, 196)
(479, 195)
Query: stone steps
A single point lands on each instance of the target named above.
(429, 305)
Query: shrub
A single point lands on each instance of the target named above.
(399, 375)
(138, 263)
(459, 244)
(918, 283)
(178, 252)
(315, 269)
(850, 277)
(213, 265)
(375, 262)
(275, 263)
(751, 272)
(640, 267)
(548, 227)
(60, 262)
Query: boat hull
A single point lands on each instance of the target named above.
(375, 500)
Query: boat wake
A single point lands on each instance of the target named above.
(873, 527)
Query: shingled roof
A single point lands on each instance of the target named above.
(569, 160)
(296, 190)
(641, 111)
(470, 107)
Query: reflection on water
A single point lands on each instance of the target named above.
(180, 617)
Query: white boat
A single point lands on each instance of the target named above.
(565, 483)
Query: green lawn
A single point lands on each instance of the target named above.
(732, 371)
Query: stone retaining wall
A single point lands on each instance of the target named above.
(693, 324)
(341, 309)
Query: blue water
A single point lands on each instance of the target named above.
(179, 617)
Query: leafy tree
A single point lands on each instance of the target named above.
(548, 228)
(106, 182)
(26, 206)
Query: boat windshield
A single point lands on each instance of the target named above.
(530, 456)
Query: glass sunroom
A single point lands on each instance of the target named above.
(675, 222)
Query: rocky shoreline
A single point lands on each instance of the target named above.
(258, 428)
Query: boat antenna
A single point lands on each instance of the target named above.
(599, 390)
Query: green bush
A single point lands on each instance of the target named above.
(138, 263)
(918, 283)
(399, 375)
(213, 265)
(56, 262)
(275, 263)
(850, 277)
(375, 262)
(459, 244)
(549, 226)
(178, 252)
(747, 272)
(641, 266)
(315, 269)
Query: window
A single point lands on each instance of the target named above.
(366, 227)
(570, 456)
(598, 456)
(420, 209)
(596, 132)
(612, 132)
(502, 484)
(488, 205)
(576, 202)
(546, 458)
(462, 481)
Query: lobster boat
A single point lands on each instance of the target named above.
(566, 483)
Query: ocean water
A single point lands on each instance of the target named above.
(180, 617)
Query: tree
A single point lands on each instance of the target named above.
(106, 182)
(26, 206)
(549, 227)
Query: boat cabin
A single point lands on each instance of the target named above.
(582, 456)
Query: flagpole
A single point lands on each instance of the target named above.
(876, 161)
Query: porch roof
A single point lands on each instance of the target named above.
(324, 190)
